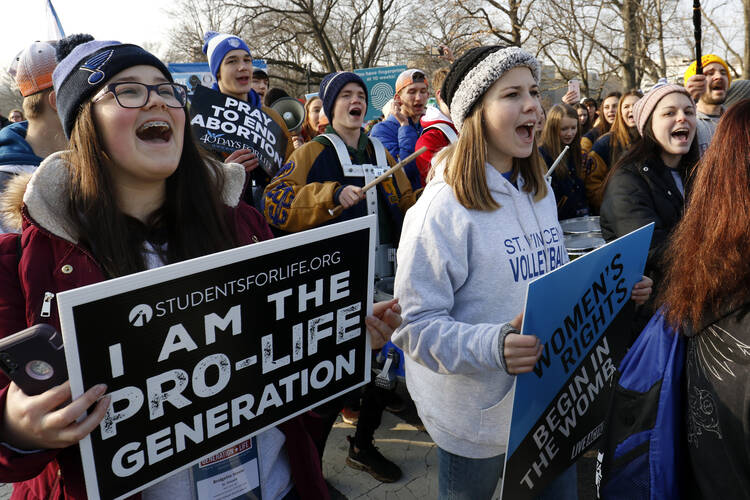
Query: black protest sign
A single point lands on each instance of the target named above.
(224, 124)
(559, 408)
(200, 355)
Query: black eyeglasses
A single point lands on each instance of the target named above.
(135, 95)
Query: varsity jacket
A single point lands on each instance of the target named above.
(301, 194)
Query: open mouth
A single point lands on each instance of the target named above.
(681, 134)
(355, 112)
(526, 131)
(243, 80)
(154, 131)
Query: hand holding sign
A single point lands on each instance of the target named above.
(521, 351)
(385, 318)
(244, 157)
(46, 421)
(559, 407)
(224, 124)
(642, 290)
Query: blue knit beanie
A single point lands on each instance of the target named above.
(331, 86)
(216, 45)
(85, 65)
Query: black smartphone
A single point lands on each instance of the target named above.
(34, 359)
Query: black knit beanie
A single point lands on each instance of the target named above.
(332, 84)
(85, 65)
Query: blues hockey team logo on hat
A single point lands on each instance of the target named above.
(233, 42)
(95, 64)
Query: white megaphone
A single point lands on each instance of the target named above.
(292, 111)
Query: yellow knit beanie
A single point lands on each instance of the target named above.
(706, 60)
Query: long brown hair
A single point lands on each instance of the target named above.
(602, 126)
(465, 162)
(191, 220)
(622, 136)
(551, 138)
(587, 124)
(707, 264)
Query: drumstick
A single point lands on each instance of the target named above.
(337, 209)
(557, 162)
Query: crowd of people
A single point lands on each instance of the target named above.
(101, 177)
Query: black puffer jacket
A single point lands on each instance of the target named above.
(638, 194)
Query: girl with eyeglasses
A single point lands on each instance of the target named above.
(131, 193)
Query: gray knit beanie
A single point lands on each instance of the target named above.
(739, 90)
(474, 72)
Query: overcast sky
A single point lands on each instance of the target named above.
(145, 21)
(133, 21)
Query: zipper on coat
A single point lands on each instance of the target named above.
(47, 304)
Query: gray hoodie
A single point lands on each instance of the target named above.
(461, 275)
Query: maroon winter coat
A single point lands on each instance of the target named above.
(49, 245)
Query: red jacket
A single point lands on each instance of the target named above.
(434, 139)
(47, 247)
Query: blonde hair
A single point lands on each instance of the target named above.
(33, 105)
(465, 166)
(622, 136)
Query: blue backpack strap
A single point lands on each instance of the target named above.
(641, 456)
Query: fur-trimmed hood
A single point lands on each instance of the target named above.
(45, 195)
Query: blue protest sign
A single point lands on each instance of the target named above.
(191, 74)
(559, 408)
(381, 87)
